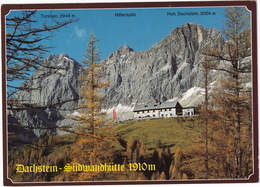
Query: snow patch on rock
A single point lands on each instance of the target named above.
(119, 109)
(192, 97)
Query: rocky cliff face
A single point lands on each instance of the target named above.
(164, 72)
(169, 70)
(55, 90)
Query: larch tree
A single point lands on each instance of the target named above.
(198, 154)
(224, 147)
(239, 96)
(232, 97)
(94, 140)
(90, 114)
(205, 117)
(205, 110)
(203, 150)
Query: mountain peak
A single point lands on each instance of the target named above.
(62, 59)
(125, 48)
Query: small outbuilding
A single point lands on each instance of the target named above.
(191, 111)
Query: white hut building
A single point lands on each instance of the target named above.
(157, 110)
(170, 109)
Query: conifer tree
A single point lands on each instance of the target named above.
(224, 147)
(162, 176)
(90, 114)
(201, 148)
(206, 66)
(94, 140)
(175, 169)
(232, 99)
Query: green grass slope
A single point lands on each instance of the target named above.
(159, 133)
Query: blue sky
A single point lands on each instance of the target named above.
(148, 27)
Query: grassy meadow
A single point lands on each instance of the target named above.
(161, 133)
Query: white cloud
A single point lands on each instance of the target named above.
(80, 32)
